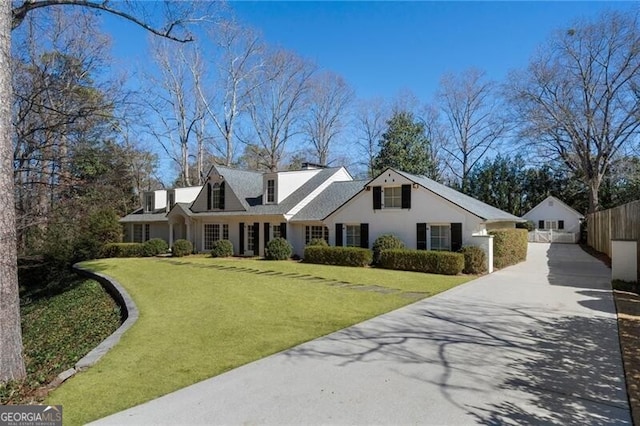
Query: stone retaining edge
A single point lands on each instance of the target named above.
(128, 311)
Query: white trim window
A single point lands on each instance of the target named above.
(440, 238)
(213, 232)
(141, 232)
(215, 196)
(275, 231)
(353, 236)
(393, 197)
(316, 232)
(250, 238)
(551, 225)
(271, 190)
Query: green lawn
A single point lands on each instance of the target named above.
(200, 317)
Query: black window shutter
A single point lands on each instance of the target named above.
(221, 206)
(208, 196)
(377, 197)
(561, 224)
(421, 236)
(267, 228)
(541, 224)
(364, 235)
(283, 230)
(456, 236)
(256, 239)
(338, 234)
(241, 229)
(406, 196)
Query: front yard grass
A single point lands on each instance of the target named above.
(200, 317)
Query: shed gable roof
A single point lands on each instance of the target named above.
(557, 202)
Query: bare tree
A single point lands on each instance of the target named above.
(11, 360)
(370, 122)
(579, 98)
(277, 104)
(177, 104)
(436, 134)
(473, 118)
(240, 61)
(329, 98)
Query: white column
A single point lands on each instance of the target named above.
(485, 242)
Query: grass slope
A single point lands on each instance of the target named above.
(200, 317)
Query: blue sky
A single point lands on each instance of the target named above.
(383, 48)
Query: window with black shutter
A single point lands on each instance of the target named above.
(561, 224)
(256, 239)
(541, 224)
(267, 230)
(208, 196)
(221, 199)
(241, 232)
(377, 197)
(338, 234)
(456, 236)
(421, 236)
(283, 230)
(364, 235)
(406, 196)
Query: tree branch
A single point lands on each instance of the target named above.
(19, 13)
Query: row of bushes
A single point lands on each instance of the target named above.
(509, 247)
(341, 256)
(149, 248)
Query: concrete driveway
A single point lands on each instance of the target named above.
(534, 343)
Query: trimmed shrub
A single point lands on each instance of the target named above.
(154, 247)
(509, 246)
(182, 248)
(122, 250)
(434, 262)
(385, 242)
(341, 256)
(222, 248)
(528, 225)
(278, 249)
(318, 242)
(475, 260)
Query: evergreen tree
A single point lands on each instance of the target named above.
(404, 146)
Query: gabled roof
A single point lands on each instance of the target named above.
(470, 204)
(329, 200)
(557, 201)
(245, 184)
(248, 187)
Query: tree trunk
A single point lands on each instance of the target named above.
(11, 362)
(594, 188)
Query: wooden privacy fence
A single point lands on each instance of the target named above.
(618, 223)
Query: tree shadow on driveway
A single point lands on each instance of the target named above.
(494, 364)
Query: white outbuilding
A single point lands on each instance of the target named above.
(552, 214)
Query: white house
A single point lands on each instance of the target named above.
(424, 214)
(553, 214)
(250, 208)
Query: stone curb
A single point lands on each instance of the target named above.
(128, 312)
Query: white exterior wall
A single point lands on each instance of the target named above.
(160, 199)
(287, 182)
(426, 207)
(187, 195)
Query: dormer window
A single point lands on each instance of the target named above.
(148, 202)
(215, 196)
(271, 191)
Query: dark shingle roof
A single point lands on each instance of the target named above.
(246, 184)
(476, 207)
(139, 215)
(329, 200)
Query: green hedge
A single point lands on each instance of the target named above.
(475, 260)
(222, 248)
(122, 250)
(154, 247)
(434, 262)
(318, 242)
(182, 248)
(509, 246)
(386, 242)
(278, 249)
(342, 256)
